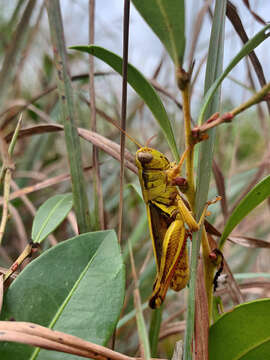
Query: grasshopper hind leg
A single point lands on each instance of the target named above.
(181, 274)
(173, 248)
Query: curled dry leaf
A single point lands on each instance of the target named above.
(36, 335)
(110, 147)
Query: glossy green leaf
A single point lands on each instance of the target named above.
(141, 86)
(76, 287)
(255, 197)
(50, 215)
(167, 19)
(246, 49)
(242, 334)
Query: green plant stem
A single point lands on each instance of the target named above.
(229, 116)
(190, 145)
(214, 68)
(156, 318)
(68, 116)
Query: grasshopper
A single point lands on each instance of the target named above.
(167, 216)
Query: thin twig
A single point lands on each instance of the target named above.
(6, 173)
(26, 252)
(216, 120)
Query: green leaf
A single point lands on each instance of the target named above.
(141, 86)
(50, 215)
(167, 19)
(205, 159)
(76, 287)
(255, 197)
(68, 117)
(246, 49)
(242, 334)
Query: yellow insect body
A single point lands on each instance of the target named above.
(167, 216)
(166, 223)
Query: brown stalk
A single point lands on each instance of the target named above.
(123, 112)
(201, 316)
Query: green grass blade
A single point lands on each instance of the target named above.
(255, 197)
(68, 116)
(246, 49)
(214, 68)
(14, 48)
(167, 20)
(141, 86)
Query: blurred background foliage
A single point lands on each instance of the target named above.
(28, 79)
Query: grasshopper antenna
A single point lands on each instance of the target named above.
(114, 123)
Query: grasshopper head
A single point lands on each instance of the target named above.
(148, 158)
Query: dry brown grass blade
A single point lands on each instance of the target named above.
(255, 179)
(234, 18)
(36, 335)
(201, 316)
(245, 241)
(35, 130)
(41, 185)
(249, 287)
(220, 183)
(18, 106)
(249, 242)
(255, 15)
(98, 140)
(235, 291)
(108, 146)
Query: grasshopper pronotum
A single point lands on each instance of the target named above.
(167, 216)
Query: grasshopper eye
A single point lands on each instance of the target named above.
(145, 157)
